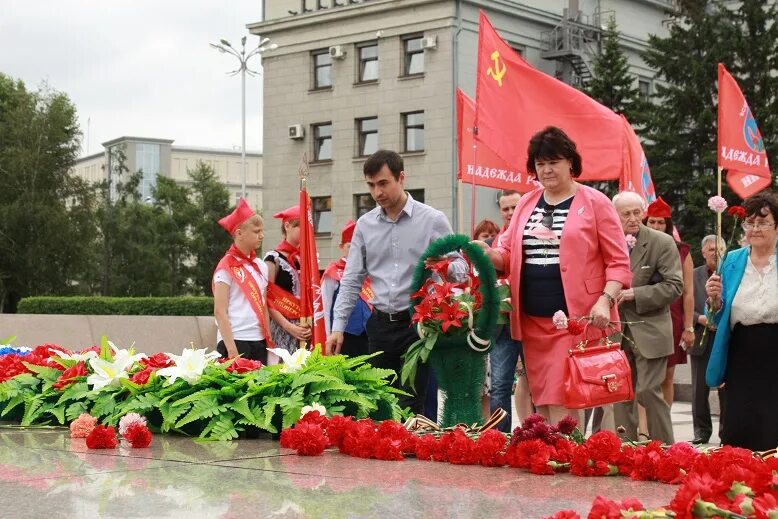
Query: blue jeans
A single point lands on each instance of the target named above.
(503, 358)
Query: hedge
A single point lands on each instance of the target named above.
(116, 305)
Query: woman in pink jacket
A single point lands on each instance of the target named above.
(564, 250)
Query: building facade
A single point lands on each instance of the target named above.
(352, 76)
(160, 157)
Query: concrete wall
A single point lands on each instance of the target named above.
(150, 334)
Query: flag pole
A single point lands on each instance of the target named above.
(472, 180)
(718, 219)
(306, 321)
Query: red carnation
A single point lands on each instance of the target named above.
(308, 439)
(427, 447)
(388, 449)
(765, 506)
(736, 211)
(565, 514)
(157, 361)
(336, 428)
(567, 425)
(142, 377)
(138, 435)
(241, 365)
(69, 376)
(575, 328)
(489, 448)
(102, 437)
(314, 417)
(603, 508)
(461, 449)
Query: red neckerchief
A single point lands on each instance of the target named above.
(290, 251)
(335, 271)
(235, 262)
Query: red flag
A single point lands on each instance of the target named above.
(514, 101)
(741, 149)
(489, 169)
(311, 306)
(636, 176)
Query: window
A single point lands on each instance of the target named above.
(413, 128)
(368, 63)
(147, 160)
(364, 203)
(414, 56)
(644, 89)
(322, 69)
(321, 208)
(322, 141)
(367, 132)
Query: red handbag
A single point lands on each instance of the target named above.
(597, 374)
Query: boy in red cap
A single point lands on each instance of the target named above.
(284, 289)
(355, 335)
(239, 289)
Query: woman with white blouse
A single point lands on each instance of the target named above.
(745, 351)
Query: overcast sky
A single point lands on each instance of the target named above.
(140, 68)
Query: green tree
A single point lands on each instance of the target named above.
(47, 228)
(174, 213)
(681, 131)
(613, 84)
(209, 241)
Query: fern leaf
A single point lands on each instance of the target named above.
(194, 397)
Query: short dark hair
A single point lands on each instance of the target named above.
(756, 205)
(382, 158)
(508, 192)
(552, 143)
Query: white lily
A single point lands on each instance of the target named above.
(292, 362)
(110, 373)
(188, 366)
(316, 406)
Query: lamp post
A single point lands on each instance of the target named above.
(224, 47)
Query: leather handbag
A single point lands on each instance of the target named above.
(597, 373)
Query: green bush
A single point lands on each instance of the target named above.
(116, 305)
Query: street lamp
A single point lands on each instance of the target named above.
(224, 47)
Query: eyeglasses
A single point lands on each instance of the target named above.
(548, 217)
(761, 226)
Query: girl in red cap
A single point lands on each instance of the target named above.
(284, 287)
(659, 218)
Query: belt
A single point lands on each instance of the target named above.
(396, 317)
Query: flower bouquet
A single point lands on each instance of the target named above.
(455, 322)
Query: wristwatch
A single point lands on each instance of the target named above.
(690, 329)
(611, 300)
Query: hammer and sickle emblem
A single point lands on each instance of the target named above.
(499, 68)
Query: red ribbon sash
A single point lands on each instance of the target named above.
(282, 301)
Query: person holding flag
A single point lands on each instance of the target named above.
(239, 288)
(355, 333)
(284, 284)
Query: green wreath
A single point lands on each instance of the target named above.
(458, 359)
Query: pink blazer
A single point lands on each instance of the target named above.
(592, 251)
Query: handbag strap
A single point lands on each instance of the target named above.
(604, 339)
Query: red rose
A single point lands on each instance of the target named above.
(138, 435)
(47, 350)
(142, 377)
(241, 365)
(95, 349)
(102, 437)
(158, 361)
(69, 376)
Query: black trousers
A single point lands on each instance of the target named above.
(703, 426)
(253, 350)
(354, 345)
(393, 339)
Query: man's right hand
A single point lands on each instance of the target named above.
(334, 343)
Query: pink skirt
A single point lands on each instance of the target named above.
(545, 357)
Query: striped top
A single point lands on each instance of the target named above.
(542, 292)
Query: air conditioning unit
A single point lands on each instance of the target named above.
(430, 42)
(337, 52)
(296, 131)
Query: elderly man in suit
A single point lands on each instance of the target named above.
(700, 351)
(657, 281)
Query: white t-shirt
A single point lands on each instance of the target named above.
(243, 319)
